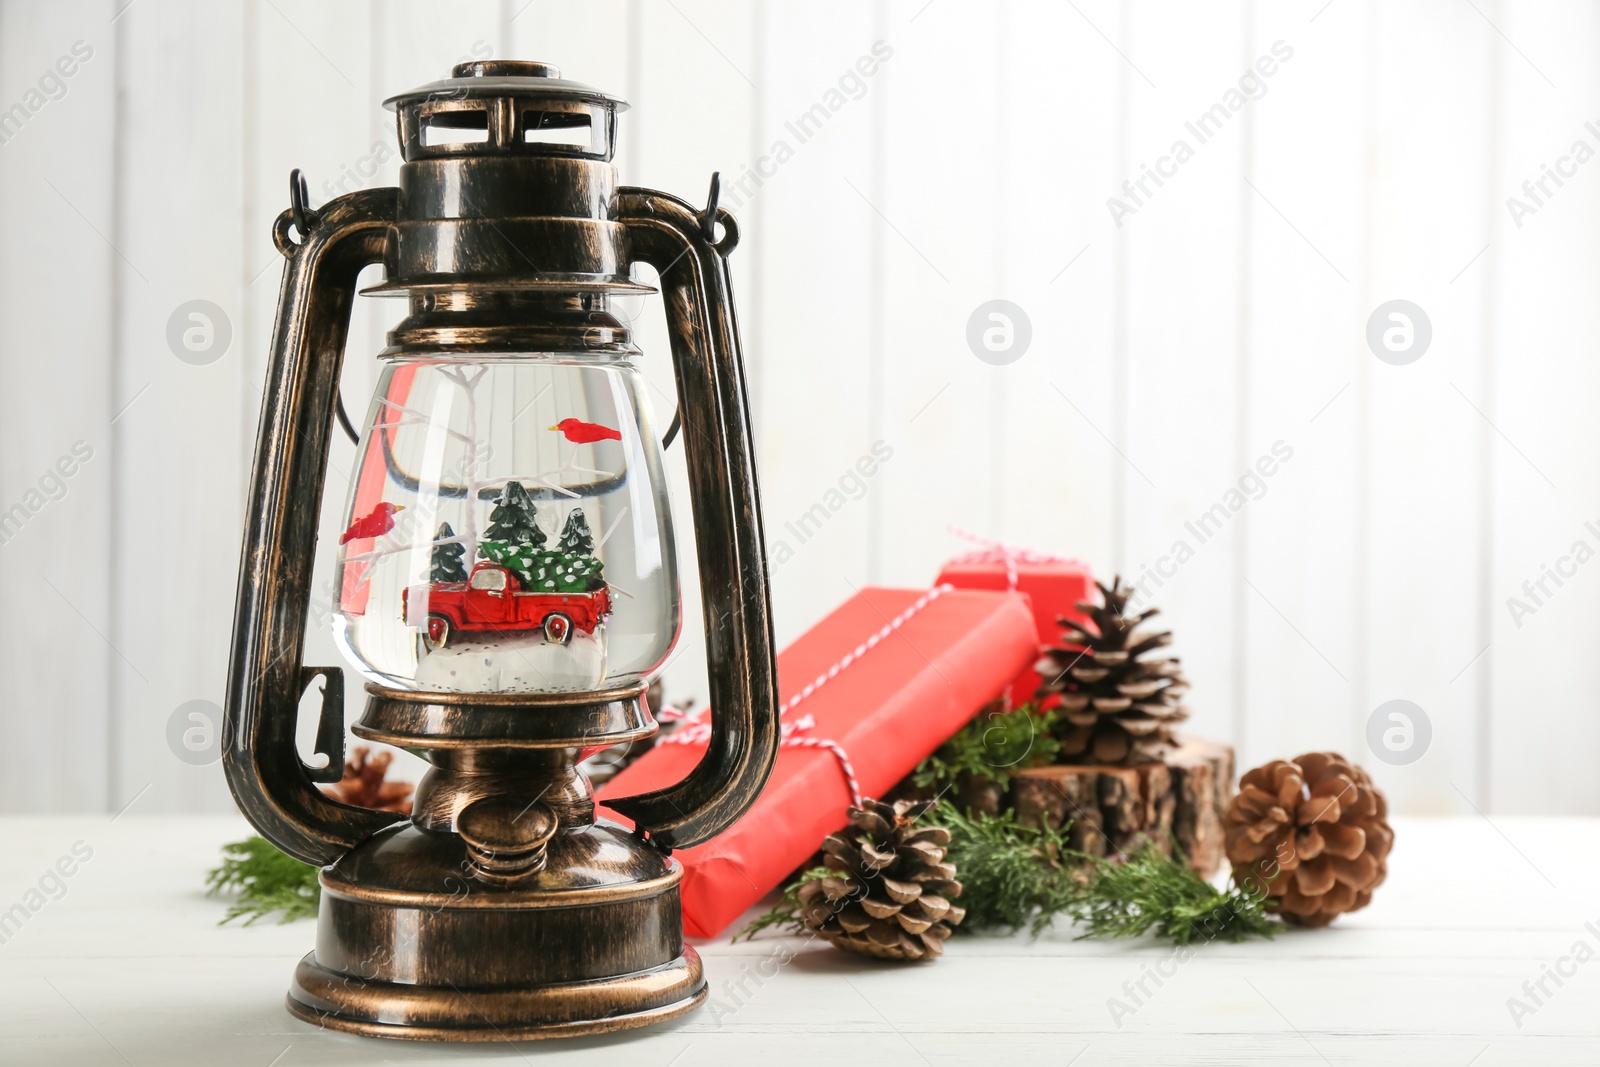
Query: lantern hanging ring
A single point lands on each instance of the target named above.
(304, 215)
(301, 216)
(708, 217)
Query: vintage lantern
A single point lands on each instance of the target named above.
(506, 579)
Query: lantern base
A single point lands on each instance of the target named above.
(422, 935)
(446, 1013)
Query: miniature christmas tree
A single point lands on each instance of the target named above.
(514, 539)
(514, 519)
(557, 572)
(576, 540)
(585, 574)
(521, 560)
(447, 566)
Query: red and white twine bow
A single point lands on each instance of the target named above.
(1004, 553)
(696, 731)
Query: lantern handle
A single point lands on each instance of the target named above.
(680, 243)
(275, 790)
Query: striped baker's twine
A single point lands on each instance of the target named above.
(696, 731)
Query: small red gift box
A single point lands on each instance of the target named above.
(866, 694)
(1053, 586)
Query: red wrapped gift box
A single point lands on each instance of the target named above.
(888, 677)
(1053, 586)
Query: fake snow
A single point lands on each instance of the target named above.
(517, 662)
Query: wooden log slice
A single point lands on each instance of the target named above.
(1113, 808)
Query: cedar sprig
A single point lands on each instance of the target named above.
(1015, 876)
(1011, 875)
(1152, 891)
(992, 745)
(265, 881)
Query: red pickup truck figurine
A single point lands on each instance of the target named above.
(494, 599)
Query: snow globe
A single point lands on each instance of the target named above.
(507, 529)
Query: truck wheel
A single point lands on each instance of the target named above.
(557, 628)
(436, 632)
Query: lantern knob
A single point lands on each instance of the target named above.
(505, 68)
(505, 837)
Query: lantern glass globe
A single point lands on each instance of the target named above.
(507, 528)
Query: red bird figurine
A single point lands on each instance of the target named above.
(586, 433)
(379, 521)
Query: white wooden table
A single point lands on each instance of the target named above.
(128, 965)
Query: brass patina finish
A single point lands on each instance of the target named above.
(502, 910)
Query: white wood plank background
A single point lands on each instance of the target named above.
(1226, 314)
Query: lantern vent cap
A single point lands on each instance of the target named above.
(504, 78)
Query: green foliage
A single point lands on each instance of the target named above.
(558, 572)
(515, 558)
(785, 914)
(1011, 875)
(1014, 875)
(1151, 892)
(993, 744)
(504, 553)
(264, 881)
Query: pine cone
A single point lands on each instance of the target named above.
(1116, 707)
(891, 894)
(363, 784)
(1311, 833)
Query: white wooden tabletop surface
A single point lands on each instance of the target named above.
(123, 963)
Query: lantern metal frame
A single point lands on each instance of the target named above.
(501, 910)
